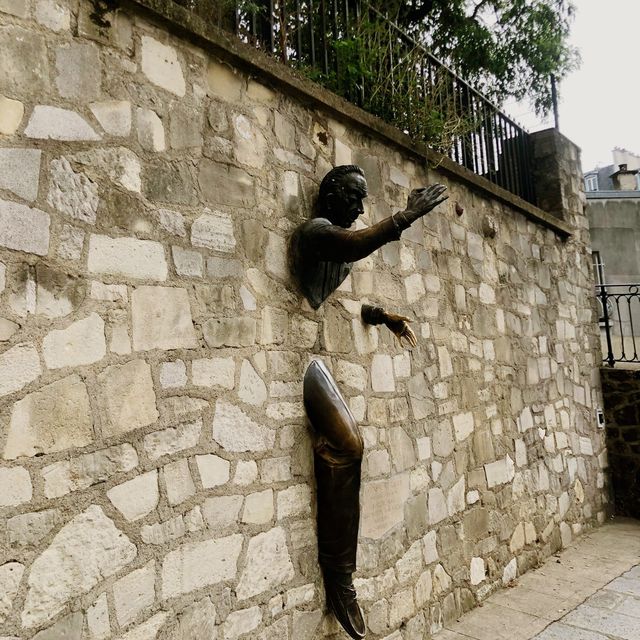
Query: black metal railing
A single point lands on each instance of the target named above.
(620, 322)
(360, 54)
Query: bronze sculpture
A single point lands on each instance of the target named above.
(322, 252)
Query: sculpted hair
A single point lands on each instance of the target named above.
(333, 179)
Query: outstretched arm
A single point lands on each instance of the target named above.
(332, 243)
(398, 325)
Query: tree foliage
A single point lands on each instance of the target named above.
(506, 48)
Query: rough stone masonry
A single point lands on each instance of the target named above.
(155, 467)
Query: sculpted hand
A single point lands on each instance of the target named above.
(423, 200)
(399, 326)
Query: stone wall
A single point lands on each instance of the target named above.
(156, 476)
(621, 391)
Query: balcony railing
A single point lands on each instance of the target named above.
(619, 306)
(355, 51)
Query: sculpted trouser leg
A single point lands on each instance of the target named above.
(337, 462)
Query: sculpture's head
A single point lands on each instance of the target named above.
(341, 194)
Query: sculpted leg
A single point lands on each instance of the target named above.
(337, 462)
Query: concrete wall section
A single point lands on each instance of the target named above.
(156, 472)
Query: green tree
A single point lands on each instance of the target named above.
(506, 48)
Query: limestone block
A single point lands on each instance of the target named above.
(185, 129)
(10, 576)
(83, 553)
(342, 153)
(446, 367)
(402, 451)
(222, 512)
(109, 292)
(127, 257)
(235, 431)
(223, 267)
(98, 619)
(71, 193)
(119, 164)
(161, 65)
(438, 508)
(161, 318)
(70, 243)
(148, 630)
(53, 15)
(258, 507)
(84, 471)
(127, 398)
(463, 425)
(499, 472)
(352, 375)
(477, 571)
(23, 65)
(510, 572)
(55, 123)
(214, 231)
(11, 114)
(230, 332)
(214, 471)
(414, 287)
(7, 329)
(195, 622)
(442, 439)
(383, 503)
(170, 182)
(252, 388)
(239, 623)
(409, 566)
(456, 498)
(162, 533)
(81, 343)
(173, 375)
(268, 564)
(430, 548)
(68, 627)
(173, 222)
(24, 229)
(15, 488)
(134, 593)
(150, 130)
(19, 366)
(173, 440)
(382, 378)
(294, 501)
(55, 418)
(214, 372)
(78, 70)
(137, 497)
(225, 185)
(250, 144)
(20, 170)
(18, 8)
(114, 116)
(178, 481)
(517, 541)
(29, 529)
(201, 564)
(188, 263)
(224, 81)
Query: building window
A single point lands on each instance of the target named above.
(591, 182)
(638, 181)
(598, 267)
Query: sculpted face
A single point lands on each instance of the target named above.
(347, 201)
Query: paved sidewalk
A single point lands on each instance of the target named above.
(591, 591)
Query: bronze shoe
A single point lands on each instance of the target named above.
(343, 601)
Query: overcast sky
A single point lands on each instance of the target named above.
(600, 103)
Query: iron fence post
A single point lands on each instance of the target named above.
(605, 314)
